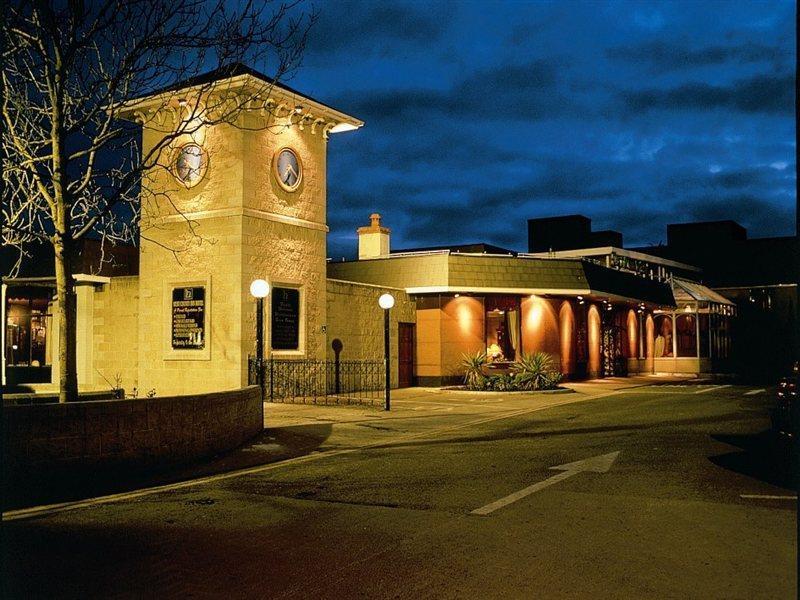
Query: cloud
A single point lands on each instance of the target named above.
(480, 119)
(370, 26)
(529, 91)
(756, 214)
(761, 179)
(758, 94)
(661, 56)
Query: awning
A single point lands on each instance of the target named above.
(690, 291)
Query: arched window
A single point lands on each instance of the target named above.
(663, 331)
(686, 334)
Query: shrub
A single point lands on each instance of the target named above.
(536, 372)
(531, 372)
(502, 383)
(474, 378)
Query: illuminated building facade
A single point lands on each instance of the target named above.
(249, 200)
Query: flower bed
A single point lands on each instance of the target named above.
(530, 373)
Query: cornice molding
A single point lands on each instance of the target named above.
(245, 212)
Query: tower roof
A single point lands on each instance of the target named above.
(235, 76)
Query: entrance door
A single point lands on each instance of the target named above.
(405, 358)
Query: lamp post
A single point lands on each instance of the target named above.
(386, 302)
(259, 289)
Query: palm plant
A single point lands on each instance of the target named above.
(536, 371)
(473, 370)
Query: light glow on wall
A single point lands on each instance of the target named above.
(535, 315)
(540, 331)
(465, 314)
(593, 317)
(633, 334)
(566, 330)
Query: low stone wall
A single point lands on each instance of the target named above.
(134, 433)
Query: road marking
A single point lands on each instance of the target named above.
(596, 464)
(713, 388)
(766, 497)
(754, 392)
(50, 509)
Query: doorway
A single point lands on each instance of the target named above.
(405, 354)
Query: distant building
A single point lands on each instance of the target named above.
(758, 277)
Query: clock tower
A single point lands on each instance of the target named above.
(239, 195)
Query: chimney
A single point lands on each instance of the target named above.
(373, 241)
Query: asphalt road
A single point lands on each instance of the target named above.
(357, 503)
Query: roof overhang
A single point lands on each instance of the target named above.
(606, 250)
(691, 291)
(268, 96)
(580, 294)
(80, 278)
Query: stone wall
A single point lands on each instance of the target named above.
(131, 433)
(211, 259)
(287, 256)
(115, 333)
(355, 318)
(235, 225)
(284, 233)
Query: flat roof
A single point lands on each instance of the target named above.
(606, 250)
(472, 248)
(442, 271)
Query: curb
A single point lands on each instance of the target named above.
(559, 390)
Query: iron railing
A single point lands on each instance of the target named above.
(321, 381)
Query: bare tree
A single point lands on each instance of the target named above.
(73, 165)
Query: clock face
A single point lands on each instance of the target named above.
(288, 169)
(190, 164)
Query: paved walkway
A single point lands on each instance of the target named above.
(419, 400)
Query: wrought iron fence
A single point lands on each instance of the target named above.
(321, 381)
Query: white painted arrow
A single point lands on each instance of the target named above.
(595, 464)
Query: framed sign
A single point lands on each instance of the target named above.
(285, 319)
(188, 318)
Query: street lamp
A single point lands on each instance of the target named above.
(259, 289)
(386, 302)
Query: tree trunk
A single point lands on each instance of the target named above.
(68, 313)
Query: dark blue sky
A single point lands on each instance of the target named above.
(480, 115)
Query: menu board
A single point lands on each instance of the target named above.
(285, 319)
(188, 318)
